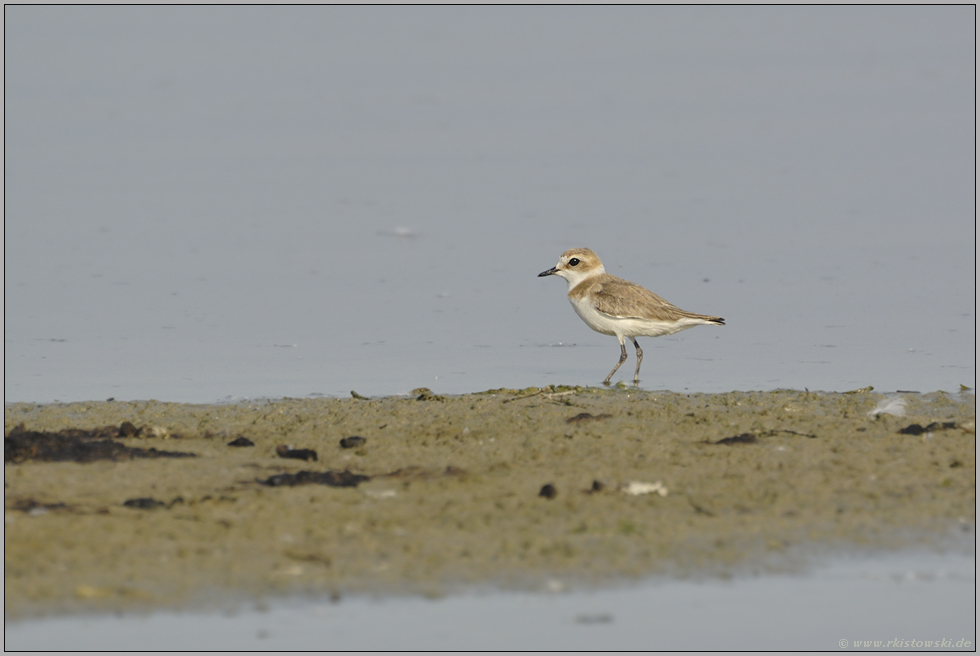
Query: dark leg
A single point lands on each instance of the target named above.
(639, 359)
(622, 359)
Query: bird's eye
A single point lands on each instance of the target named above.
(574, 261)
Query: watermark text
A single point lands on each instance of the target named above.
(900, 643)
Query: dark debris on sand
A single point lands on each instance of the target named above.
(352, 442)
(284, 451)
(919, 429)
(75, 445)
(744, 438)
(585, 416)
(332, 478)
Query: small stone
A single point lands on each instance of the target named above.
(127, 429)
(284, 451)
(352, 442)
(241, 441)
(548, 491)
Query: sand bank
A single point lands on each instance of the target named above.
(506, 487)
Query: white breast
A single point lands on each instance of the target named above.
(597, 321)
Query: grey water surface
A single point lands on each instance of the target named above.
(208, 203)
(216, 203)
(906, 601)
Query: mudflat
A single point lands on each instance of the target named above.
(145, 504)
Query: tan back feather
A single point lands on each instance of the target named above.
(622, 298)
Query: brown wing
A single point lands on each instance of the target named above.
(622, 298)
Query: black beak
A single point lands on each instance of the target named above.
(550, 272)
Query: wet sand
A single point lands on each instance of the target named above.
(455, 491)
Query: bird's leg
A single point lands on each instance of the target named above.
(639, 359)
(622, 359)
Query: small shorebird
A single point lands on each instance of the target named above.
(613, 306)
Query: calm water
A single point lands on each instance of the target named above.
(213, 203)
(900, 597)
(216, 203)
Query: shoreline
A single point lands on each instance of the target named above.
(454, 495)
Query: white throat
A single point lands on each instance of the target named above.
(576, 275)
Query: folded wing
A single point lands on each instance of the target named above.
(624, 299)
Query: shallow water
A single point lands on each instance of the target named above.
(213, 203)
(915, 597)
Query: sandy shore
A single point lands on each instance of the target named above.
(456, 491)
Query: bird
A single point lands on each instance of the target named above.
(613, 306)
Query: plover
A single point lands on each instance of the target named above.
(613, 306)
